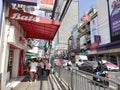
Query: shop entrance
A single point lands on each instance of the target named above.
(119, 61)
(10, 61)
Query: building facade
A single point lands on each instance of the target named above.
(69, 22)
(109, 31)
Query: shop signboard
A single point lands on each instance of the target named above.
(47, 5)
(86, 17)
(16, 38)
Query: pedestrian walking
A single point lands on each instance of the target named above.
(48, 67)
(39, 67)
(33, 70)
(42, 65)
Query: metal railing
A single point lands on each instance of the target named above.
(80, 80)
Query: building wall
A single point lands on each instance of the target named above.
(67, 25)
(1, 31)
(15, 63)
(4, 49)
(103, 21)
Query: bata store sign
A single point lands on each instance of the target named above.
(18, 15)
(27, 17)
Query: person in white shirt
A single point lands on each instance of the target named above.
(33, 70)
(39, 67)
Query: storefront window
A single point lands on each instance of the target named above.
(119, 61)
(113, 59)
(10, 61)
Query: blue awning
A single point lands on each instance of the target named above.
(25, 2)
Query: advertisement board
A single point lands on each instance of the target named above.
(114, 19)
(75, 35)
(94, 29)
(47, 5)
(114, 7)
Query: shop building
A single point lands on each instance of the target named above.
(13, 46)
(1, 14)
(17, 26)
(87, 34)
(109, 31)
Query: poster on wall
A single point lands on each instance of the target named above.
(93, 29)
(114, 7)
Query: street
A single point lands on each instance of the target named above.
(113, 77)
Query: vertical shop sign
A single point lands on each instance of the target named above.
(94, 29)
(75, 35)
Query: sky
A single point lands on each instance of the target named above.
(85, 5)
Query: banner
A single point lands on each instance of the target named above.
(114, 15)
(114, 7)
(94, 29)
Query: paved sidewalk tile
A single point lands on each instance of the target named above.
(42, 84)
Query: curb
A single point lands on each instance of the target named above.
(56, 82)
(62, 83)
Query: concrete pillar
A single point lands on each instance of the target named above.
(15, 64)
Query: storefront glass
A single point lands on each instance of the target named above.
(10, 61)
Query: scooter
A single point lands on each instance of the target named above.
(102, 74)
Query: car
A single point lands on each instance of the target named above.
(79, 59)
(57, 62)
(64, 63)
(88, 66)
(111, 66)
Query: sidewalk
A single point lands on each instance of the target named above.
(44, 83)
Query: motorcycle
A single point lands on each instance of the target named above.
(102, 74)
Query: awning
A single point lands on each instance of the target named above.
(35, 26)
(30, 54)
(25, 2)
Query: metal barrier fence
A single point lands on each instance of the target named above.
(80, 80)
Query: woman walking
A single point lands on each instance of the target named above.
(33, 70)
(48, 66)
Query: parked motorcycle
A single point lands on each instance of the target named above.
(102, 74)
